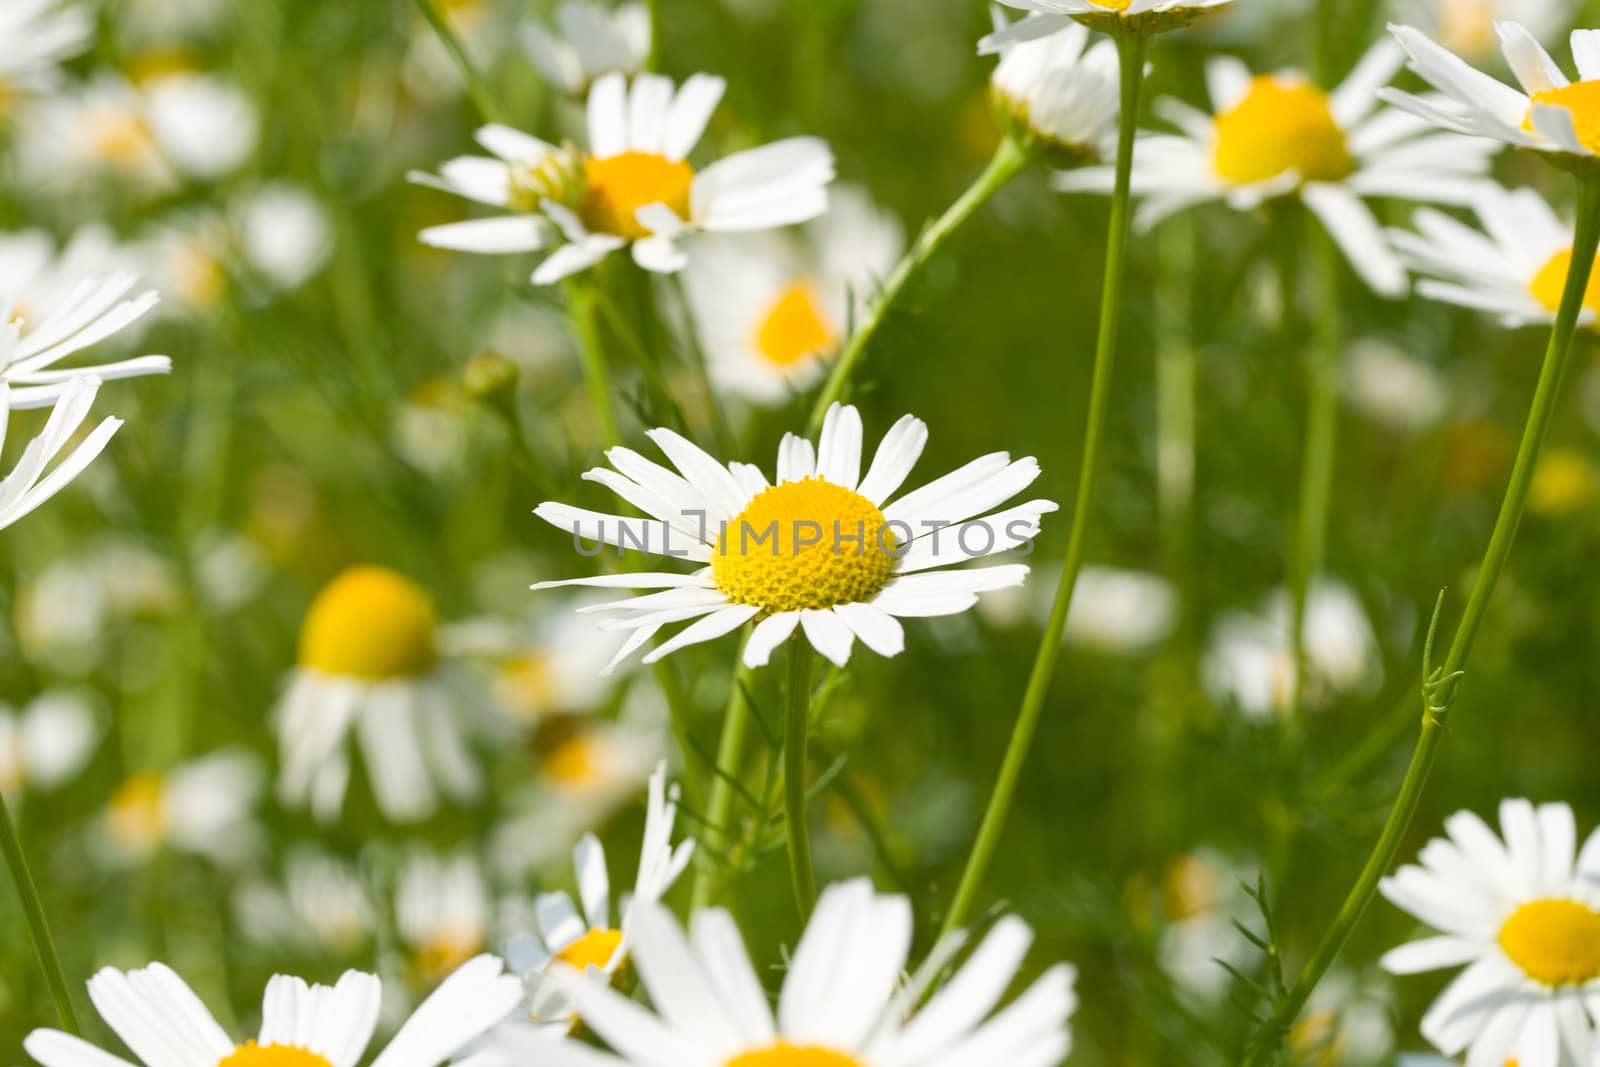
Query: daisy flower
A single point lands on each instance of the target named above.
(1467, 27)
(45, 743)
(39, 35)
(1202, 899)
(28, 485)
(40, 276)
(321, 905)
(89, 312)
(370, 666)
(632, 187)
(581, 936)
(1118, 610)
(842, 1003)
(163, 1023)
(1514, 266)
(1278, 135)
(822, 550)
(587, 42)
(1107, 16)
(1055, 89)
(1390, 386)
(202, 807)
(1524, 919)
(771, 310)
(442, 913)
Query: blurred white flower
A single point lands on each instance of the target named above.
(321, 905)
(442, 912)
(46, 743)
(588, 42)
(203, 807)
(1346, 1023)
(284, 232)
(1116, 610)
(1392, 387)
(1466, 27)
(771, 309)
(1202, 896)
(40, 277)
(1058, 88)
(160, 22)
(38, 36)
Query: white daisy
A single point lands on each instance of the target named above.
(40, 277)
(89, 312)
(442, 912)
(1466, 27)
(589, 41)
(164, 1024)
(284, 232)
(1346, 1023)
(1110, 16)
(581, 936)
(1202, 899)
(202, 807)
(39, 35)
(1389, 385)
(842, 1003)
(1524, 919)
(45, 743)
(1278, 135)
(1515, 267)
(633, 185)
(1118, 610)
(821, 550)
(370, 666)
(321, 905)
(28, 485)
(772, 309)
(1056, 89)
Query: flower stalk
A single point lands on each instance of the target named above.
(795, 744)
(44, 945)
(719, 810)
(477, 88)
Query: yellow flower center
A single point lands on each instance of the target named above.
(618, 186)
(120, 138)
(1283, 123)
(445, 950)
(1466, 26)
(574, 762)
(1189, 888)
(526, 685)
(1112, 5)
(804, 544)
(251, 1054)
(794, 328)
(137, 815)
(593, 949)
(12, 777)
(1563, 482)
(785, 1055)
(198, 275)
(1582, 99)
(370, 623)
(1556, 942)
(1547, 285)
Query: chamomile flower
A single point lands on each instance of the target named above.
(1109, 16)
(28, 485)
(1525, 920)
(1393, 387)
(321, 905)
(823, 550)
(582, 936)
(1515, 267)
(41, 276)
(45, 743)
(587, 42)
(1117, 610)
(1466, 27)
(442, 912)
(39, 35)
(1202, 898)
(1057, 90)
(202, 807)
(632, 187)
(1278, 135)
(370, 666)
(1548, 114)
(163, 1022)
(842, 1004)
(771, 309)
(91, 311)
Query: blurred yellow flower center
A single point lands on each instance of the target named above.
(1112, 5)
(1547, 285)
(786, 1055)
(1556, 942)
(1582, 99)
(1189, 888)
(197, 274)
(251, 1054)
(1563, 481)
(526, 685)
(1465, 26)
(593, 949)
(794, 328)
(1283, 123)
(12, 777)
(137, 812)
(370, 623)
(618, 186)
(446, 949)
(804, 544)
(574, 761)
(120, 138)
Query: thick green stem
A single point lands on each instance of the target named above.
(43, 944)
(795, 741)
(718, 835)
(1439, 687)
(1009, 160)
(1131, 51)
(584, 305)
(477, 88)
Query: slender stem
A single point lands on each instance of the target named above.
(697, 356)
(1177, 372)
(1130, 51)
(1440, 687)
(583, 303)
(719, 811)
(477, 88)
(1009, 160)
(794, 776)
(43, 944)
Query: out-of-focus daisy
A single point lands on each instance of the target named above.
(46, 743)
(822, 550)
(1249, 662)
(633, 186)
(1278, 135)
(771, 309)
(581, 935)
(284, 233)
(203, 807)
(1524, 919)
(1346, 1023)
(161, 22)
(485, 28)
(1549, 114)
(842, 1003)
(443, 914)
(65, 611)
(1110, 16)
(1467, 27)
(587, 42)
(91, 311)
(1514, 267)
(40, 277)
(1202, 897)
(1117, 610)
(322, 905)
(38, 36)
(370, 666)
(1393, 387)
(1058, 91)
(1564, 482)
(163, 1023)
(28, 485)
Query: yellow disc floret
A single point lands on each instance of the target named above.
(804, 544)
(251, 1054)
(1282, 123)
(593, 949)
(618, 186)
(1547, 285)
(786, 1055)
(370, 623)
(1582, 99)
(1556, 942)
(794, 328)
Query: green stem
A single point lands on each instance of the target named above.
(1009, 160)
(43, 944)
(719, 811)
(697, 356)
(679, 708)
(1131, 52)
(1177, 372)
(477, 88)
(583, 302)
(794, 776)
(1440, 687)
